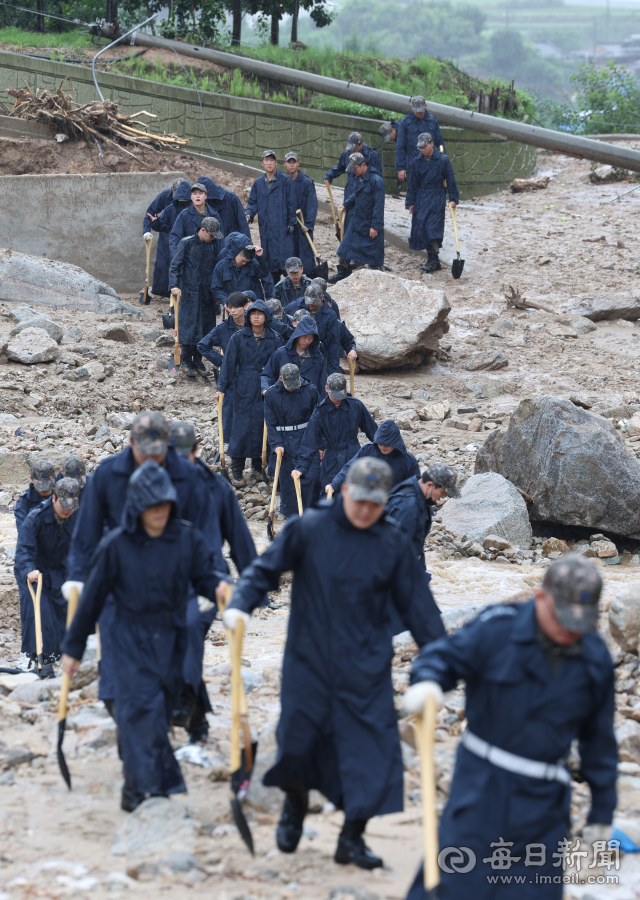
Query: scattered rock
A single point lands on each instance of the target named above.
(352, 893)
(7, 419)
(621, 411)
(624, 618)
(486, 389)
(491, 361)
(75, 334)
(573, 465)
(39, 321)
(265, 799)
(415, 329)
(22, 313)
(11, 682)
(562, 331)
(32, 345)
(495, 542)
(119, 333)
(633, 425)
(628, 738)
(14, 756)
(535, 183)
(554, 545)
(604, 549)
(582, 325)
(30, 693)
(435, 412)
(157, 826)
(456, 422)
(600, 309)
(489, 505)
(580, 401)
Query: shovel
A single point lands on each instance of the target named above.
(336, 220)
(296, 481)
(264, 454)
(176, 346)
(38, 622)
(144, 295)
(321, 269)
(426, 730)
(271, 532)
(458, 264)
(352, 373)
(329, 492)
(223, 463)
(64, 691)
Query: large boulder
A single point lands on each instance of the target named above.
(32, 345)
(39, 321)
(489, 505)
(395, 322)
(46, 282)
(598, 309)
(624, 618)
(572, 464)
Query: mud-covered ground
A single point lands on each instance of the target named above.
(557, 246)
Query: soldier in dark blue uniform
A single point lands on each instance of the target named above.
(363, 240)
(163, 223)
(412, 501)
(280, 322)
(326, 321)
(305, 200)
(389, 131)
(292, 288)
(409, 129)
(338, 730)
(220, 336)
(42, 481)
(190, 219)
(227, 205)
(272, 199)
(42, 549)
(302, 349)
(73, 466)
(160, 285)
(430, 179)
(538, 676)
(242, 267)
(146, 565)
(387, 444)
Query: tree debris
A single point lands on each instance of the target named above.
(537, 183)
(517, 301)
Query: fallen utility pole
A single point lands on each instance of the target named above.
(545, 138)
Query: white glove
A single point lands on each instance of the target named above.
(413, 701)
(231, 617)
(68, 586)
(147, 235)
(204, 604)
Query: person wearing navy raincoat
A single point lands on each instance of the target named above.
(248, 352)
(387, 444)
(346, 339)
(288, 406)
(42, 548)
(538, 677)
(338, 731)
(303, 353)
(103, 501)
(409, 129)
(271, 198)
(163, 223)
(430, 179)
(41, 482)
(190, 219)
(160, 284)
(146, 565)
(190, 273)
(242, 267)
(280, 322)
(291, 288)
(305, 200)
(355, 144)
(363, 240)
(334, 428)
(227, 205)
(326, 322)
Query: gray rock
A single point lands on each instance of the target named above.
(22, 313)
(120, 420)
(103, 431)
(489, 505)
(179, 861)
(265, 799)
(79, 374)
(624, 618)
(74, 334)
(14, 467)
(628, 737)
(39, 321)
(159, 826)
(30, 693)
(119, 333)
(491, 360)
(582, 325)
(573, 465)
(32, 345)
(600, 309)
(459, 616)
(414, 331)
(485, 389)
(7, 419)
(14, 756)
(47, 282)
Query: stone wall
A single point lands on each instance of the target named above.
(240, 129)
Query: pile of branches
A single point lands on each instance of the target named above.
(91, 122)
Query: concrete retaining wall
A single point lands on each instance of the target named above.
(240, 129)
(91, 221)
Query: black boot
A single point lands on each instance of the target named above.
(344, 270)
(130, 799)
(198, 726)
(289, 829)
(352, 848)
(198, 362)
(433, 262)
(186, 360)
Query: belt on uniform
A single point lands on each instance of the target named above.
(291, 427)
(514, 763)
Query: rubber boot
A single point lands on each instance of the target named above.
(352, 848)
(130, 799)
(289, 830)
(344, 270)
(237, 470)
(186, 360)
(198, 362)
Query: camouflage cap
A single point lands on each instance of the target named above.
(313, 295)
(266, 153)
(293, 264)
(198, 186)
(68, 491)
(212, 226)
(150, 433)
(337, 386)
(174, 186)
(275, 306)
(183, 437)
(356, 159)
(369, 479)
(418, 103)
(73, 466)
(43, 474)
(354, 140)
(443, 476)
(291, 155)
(298, 315)
(424, 139)
(321, 282)
(576, 585)
(290, 375)
(385, 131)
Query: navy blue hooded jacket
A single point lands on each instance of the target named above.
(284, 409)
(427, 193)
(372, 159)
(274, 204)
(228, 206)
(517, 702)
(409, 130)
(328, 331)
(313, 368)
(161, 267)
(242, 364)
(366, 206)
(287, 293)
(413, 513)
(338, 729)
(188, 223)
(25, 503)
(43, 543)
(306, 200)
(228, 277)
(167, 218)
(191, 269)
(402, 462)
(220, 337)
(335, 430)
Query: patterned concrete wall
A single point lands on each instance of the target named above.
(240, 129)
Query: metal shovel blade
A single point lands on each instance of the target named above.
(239, 786)
(321, 271)
(241, 824)
(456, 267)
(62, 763)
(169, 321)
(270, 531)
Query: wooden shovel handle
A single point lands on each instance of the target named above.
(221, 432)
(333, 208)
(37, 614)
(176, 346)
(264, 446)
(330, 492)
(306, 234)
(427, 731)
(275, 481)
(296, 481)
(72, 608)
(352, 372)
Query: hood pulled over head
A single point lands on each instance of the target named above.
(261, 306)
(388, 434)
(236, 241)
(183, 192)
(214, 191)
(306, 325)
(148, 486)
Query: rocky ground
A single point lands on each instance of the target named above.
(558, 247)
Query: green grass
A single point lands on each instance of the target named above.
(18, 38)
